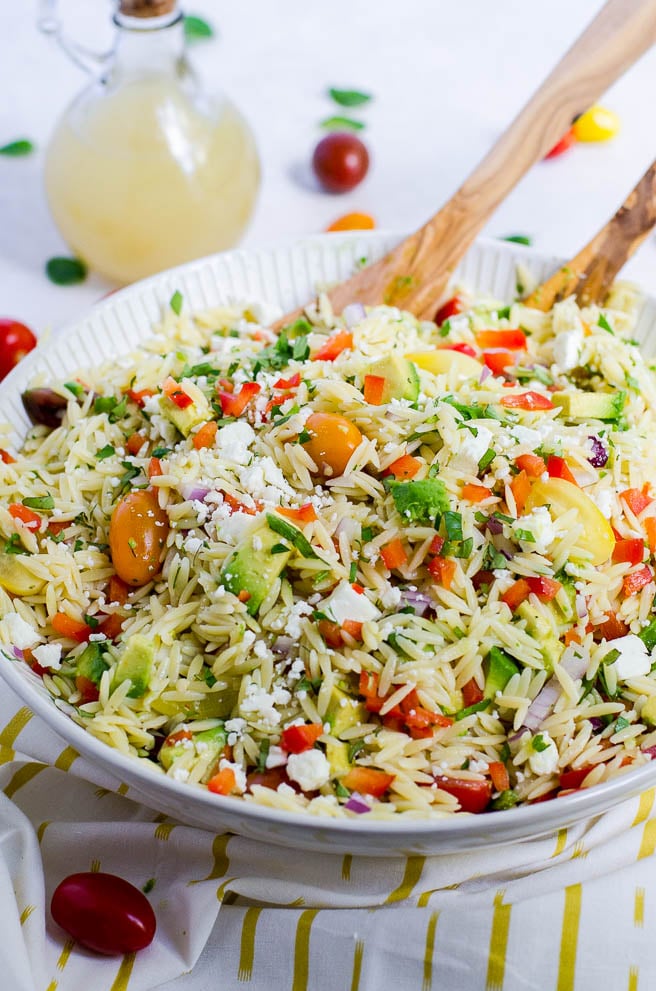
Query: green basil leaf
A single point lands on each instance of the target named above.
(17, 148)
(176, 302)
(519, 239)
(341, 123)
(197, 28)
(66, 271)
(349, 97)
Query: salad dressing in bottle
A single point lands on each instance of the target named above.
(144, 170)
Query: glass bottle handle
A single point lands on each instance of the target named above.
(48, 23)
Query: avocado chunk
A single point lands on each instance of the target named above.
(91, 663)
(135, 664)
(191, 416)
(538, 628)
(254, 566)
(648, 712)
(590, 405)
(401, 378)
(188, 749)
(343, 712)
(500, 670)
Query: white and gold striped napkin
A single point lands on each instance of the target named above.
(569, 913)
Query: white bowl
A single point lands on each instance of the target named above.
(288, 275)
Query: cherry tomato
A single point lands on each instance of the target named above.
(567, 140)
(353, 222)
(596, 124)
(340, 162)
(137, 534)
(15, 341)
(104, 913)
(333, 439)
(449, 309)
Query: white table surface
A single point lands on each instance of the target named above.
(443, 92)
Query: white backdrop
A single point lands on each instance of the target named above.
(447, 77)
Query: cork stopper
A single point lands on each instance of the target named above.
(146, 8)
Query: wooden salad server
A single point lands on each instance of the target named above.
(590, 274)
(414, 274)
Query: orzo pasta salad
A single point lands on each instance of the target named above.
(367, 565)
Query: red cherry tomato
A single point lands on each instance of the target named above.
(15, 341)
(340, 162)
(567, 140)
(104, 913)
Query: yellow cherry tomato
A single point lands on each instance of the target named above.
(597, 541)
(137, 534)
(333, 439)
(596, 124)
(353, 222)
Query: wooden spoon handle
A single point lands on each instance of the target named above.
(590, 274)
(414, 274)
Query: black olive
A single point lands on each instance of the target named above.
(44, 406)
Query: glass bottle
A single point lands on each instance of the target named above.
(144, 170)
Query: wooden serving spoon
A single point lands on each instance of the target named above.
(589, 275)
(414, 274)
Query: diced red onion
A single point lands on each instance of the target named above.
(545, 700)
(494, 525)
(649, 752)
(192, 492)
(596, 723)
(581, 606)
(18, 653)
(485, 374)
(599, 453)
(356, 803)
(353, 313)
(282, 646)
(419, 601)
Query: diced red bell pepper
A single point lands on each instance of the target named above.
(520, 488)
(545, 588)
(482, 577)
(374, 389)
(498, 359)
(74, 629)
(394, 554)
(6, 457)
(404, 467)
(297, 739)
(135, 442)
(513, 340)
(527, 400)
(234, 404)
(637, 580)
(331, 632)
(417, 716)
(499, 775)
(235, 506)
(532, 464)
(139, 396)
(290, 383)
(155, 468)
(472, 795)
(573, 778)
(443, 570)
(56, 526)
(204, 436)
(112, 626)
(88, 689)
(368, 686)
(637, 499)
(516, 594)
(611, 629)
(27, 516)
(118, 590)
(461, 346)
(223, 782)
(650, 530)
(273, 777)
(471, 693)
(437, 543)
(451, 308)
(304, 514)
(174, 391)
(341, 340)
(353, 628)
(630, 550)
(475, 493)
(368, 781)
(558, 468)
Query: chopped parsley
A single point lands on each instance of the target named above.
(14, 545)
(538, 743)
(286, 348)
(603, 323)
(487, 459)
(349, 97)
(471, 709)
(292, 534)
(39, 502)
(105, 452)
(176, 302)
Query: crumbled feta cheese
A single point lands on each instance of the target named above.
(390, 596)
(192, 544)
(634, 659)
(48, 655)
(231, 529)
(259, 705)
(260, 649)
(567, 348)
(236, 726)
(345, 603)
(524, 435)
(540, 524)
(277, 757)
(179, 773)
(293, 622)
(604, 501)
(21, 634)
(471, 450)
(234, 440)
(97, 637)
(310, 769)
(265, 313)
(264, 480)
(544, 761)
